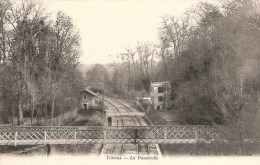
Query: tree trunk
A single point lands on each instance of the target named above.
(12, 117)
(165, 64)
(151, 71)
(32, 112)
(33, 97)
(53, 102)
(20, 110)
(20, 113)
(46, 111)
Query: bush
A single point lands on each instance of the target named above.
(198, 121)
(91, 110)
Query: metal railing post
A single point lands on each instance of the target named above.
(165, 134)
(15, 138)
(105, 135)
(45, 137)
(196, 135)
(75, 135)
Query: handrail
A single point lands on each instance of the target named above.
(195, 126)
(67, 128)
(112, 134)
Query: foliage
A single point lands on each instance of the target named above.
(211, 56)
(38, 60)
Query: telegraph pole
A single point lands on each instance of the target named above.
(103, 89)
(103, 93)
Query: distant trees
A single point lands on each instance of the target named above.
(97, 77)
(146, 54)
(37, 56)
(136, 69)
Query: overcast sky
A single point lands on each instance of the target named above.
(108, 27)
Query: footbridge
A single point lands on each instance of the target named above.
(109, 134)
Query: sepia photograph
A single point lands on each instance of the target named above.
(129, 81)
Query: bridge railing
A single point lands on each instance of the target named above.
(112, 134)
(109, 134)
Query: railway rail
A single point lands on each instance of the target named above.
(136, 119)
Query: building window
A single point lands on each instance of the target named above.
(160, 89)
(160, 98)
(85, 96)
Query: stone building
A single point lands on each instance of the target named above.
(87, 100)
(160, 94)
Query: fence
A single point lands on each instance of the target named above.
(99, 134)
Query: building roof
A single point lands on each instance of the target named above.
(162, 83)
(86, 90)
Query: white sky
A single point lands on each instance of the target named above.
(108, 27)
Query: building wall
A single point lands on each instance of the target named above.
(87, 100)
(160, 98)
(155, 95)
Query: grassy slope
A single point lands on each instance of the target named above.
(177, 118)
(166, 117)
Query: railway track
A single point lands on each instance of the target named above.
(118, 120)
(137, 120)
(131, 120)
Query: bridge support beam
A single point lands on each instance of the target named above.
(48, 146)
